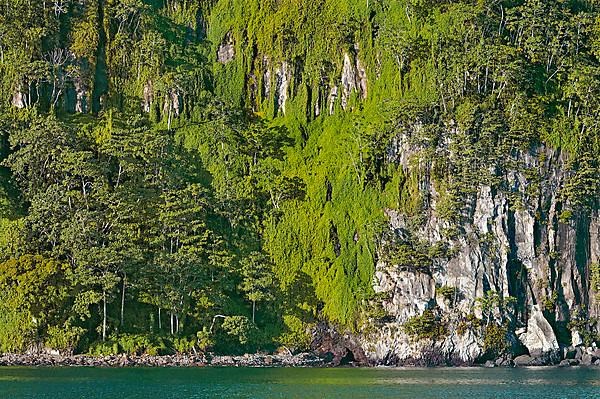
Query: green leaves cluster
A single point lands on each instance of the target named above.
(428, 325)
(35, 291)
(134, 218)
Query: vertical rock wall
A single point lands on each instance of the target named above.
(530, 253)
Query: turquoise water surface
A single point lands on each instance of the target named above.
(66, 383)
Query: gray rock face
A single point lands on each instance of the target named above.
(278, 78)
(587, 360)
(226, 51)
(466, 347)
(568, 363)
(148, 96)
(282, 83)
(348, 80)
(539, 338)
(524, 360)
(333, 94)
(354, 78)
(595, 237)
(409, 293)
(361, 79)
(19, 99)
(390, 345)
(569, 353)
(578, 353)
(343, 347)
(172, 103)
(529, 252)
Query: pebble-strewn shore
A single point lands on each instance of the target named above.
(250, 360)
(573, 357)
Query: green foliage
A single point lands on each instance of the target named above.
(426, 326)
(139, 344)
(64, 338)
(12, 240)
(565, 216)
(586, 326)
(495, 340)
(239, 327)
(372, 312)
(17, 330)
(296, 335)
(35, 302)
(470, 322)
(549, 302)
(495, 307)
(134, 344)
(104, 348)
(410, 257)
(257, 279)
(447, 292)
(205, 340)
(184, 345)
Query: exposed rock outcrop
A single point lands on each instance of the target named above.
(342, 348)
(466, 347)
(148, 96)
(19, 99)
(539, 338)
(172, 103)
(226, 50)
(522, 265)
(333, 94)
(282, 83)
(354, 78)
(348, 80)
(409, 293)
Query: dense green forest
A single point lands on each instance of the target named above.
(186, 175)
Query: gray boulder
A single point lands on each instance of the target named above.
(586, 359)
(539, 338)
(524, 360)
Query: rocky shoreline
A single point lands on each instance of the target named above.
(248, 360)
(569, 356)
(586, 357)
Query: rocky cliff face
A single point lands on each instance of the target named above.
(533, 257)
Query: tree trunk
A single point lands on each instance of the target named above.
(169, 119)
(123, 299)
(171, 317)
(103, 315)
(213, 321)
(159, 323)
(253, 310)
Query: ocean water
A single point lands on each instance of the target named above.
(91, 383)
